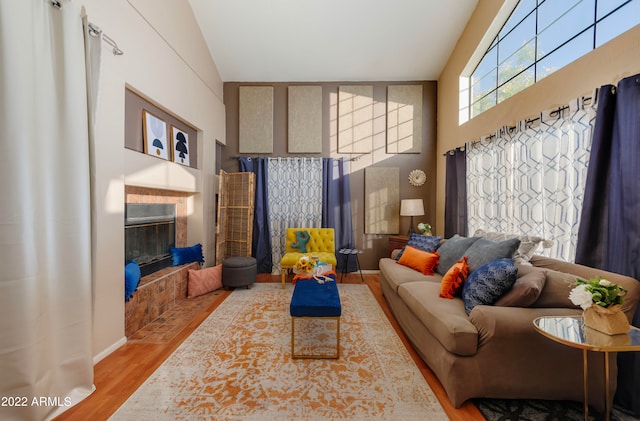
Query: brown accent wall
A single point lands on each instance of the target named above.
(375, 246)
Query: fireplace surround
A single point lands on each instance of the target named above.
(160, 290)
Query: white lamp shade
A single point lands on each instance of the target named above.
(411, 207)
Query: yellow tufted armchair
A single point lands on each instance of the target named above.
(321, 243)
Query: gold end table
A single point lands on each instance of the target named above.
(571, 331)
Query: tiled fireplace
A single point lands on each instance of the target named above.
(160, 290)
(147, 195)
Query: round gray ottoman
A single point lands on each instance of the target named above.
(239, 271)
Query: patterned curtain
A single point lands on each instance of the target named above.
(531, 179)
(295, 199)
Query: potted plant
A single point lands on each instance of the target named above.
(424, 228)
(601, 302)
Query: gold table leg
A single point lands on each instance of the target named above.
(607, 387)
(607, 405)
(585, 384)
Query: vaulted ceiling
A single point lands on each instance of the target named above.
(331, 40)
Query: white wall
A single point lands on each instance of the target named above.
(167, 62)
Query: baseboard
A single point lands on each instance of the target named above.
(105, 353)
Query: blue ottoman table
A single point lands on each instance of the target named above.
(314, 300)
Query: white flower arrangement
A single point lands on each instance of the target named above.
(424, 228)
(597, 291)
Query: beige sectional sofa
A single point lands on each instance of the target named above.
(495, 352)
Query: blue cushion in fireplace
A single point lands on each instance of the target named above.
(131, 279)
(182, 255)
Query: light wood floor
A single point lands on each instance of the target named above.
(123, 371)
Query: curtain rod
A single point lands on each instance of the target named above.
(528, 122)
(96, 31)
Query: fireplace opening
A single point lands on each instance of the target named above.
(150, 231)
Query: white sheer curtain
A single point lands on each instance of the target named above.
(531, 179)
(295, 199)
(45, 222)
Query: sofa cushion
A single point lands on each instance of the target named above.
(529, 244)
(419, 260)
(445, 319)
(484, 251)
(397, 275)
(526, 289)
(452, 250)
(488, 283)
(454, 278)
(421, 242)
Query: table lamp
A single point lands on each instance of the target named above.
(411, 207)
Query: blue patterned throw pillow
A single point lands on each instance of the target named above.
(488, 283)
(428, 243)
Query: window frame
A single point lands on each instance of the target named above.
(471, 107)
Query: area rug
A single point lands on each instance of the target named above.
(541, 410)
(237, 365)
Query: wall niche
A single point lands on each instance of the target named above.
(134, 132)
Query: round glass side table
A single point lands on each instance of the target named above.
(571, 331)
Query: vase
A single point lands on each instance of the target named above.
(610, 320)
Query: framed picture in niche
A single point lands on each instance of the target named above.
(155, 135)
(180, 146)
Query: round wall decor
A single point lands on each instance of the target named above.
(417, 178)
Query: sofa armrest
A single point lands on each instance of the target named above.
(510, 323)
(561, 278)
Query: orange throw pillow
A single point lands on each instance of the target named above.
(419, 260)
(454, 278)
(204, 280)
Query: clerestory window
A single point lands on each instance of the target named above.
(530, 39)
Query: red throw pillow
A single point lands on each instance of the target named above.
(419, 260)
(454, 278)
(204, 280)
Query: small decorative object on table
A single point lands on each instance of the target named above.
(305, 264)
(310, 267)
(425, 229)
(601, 301)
